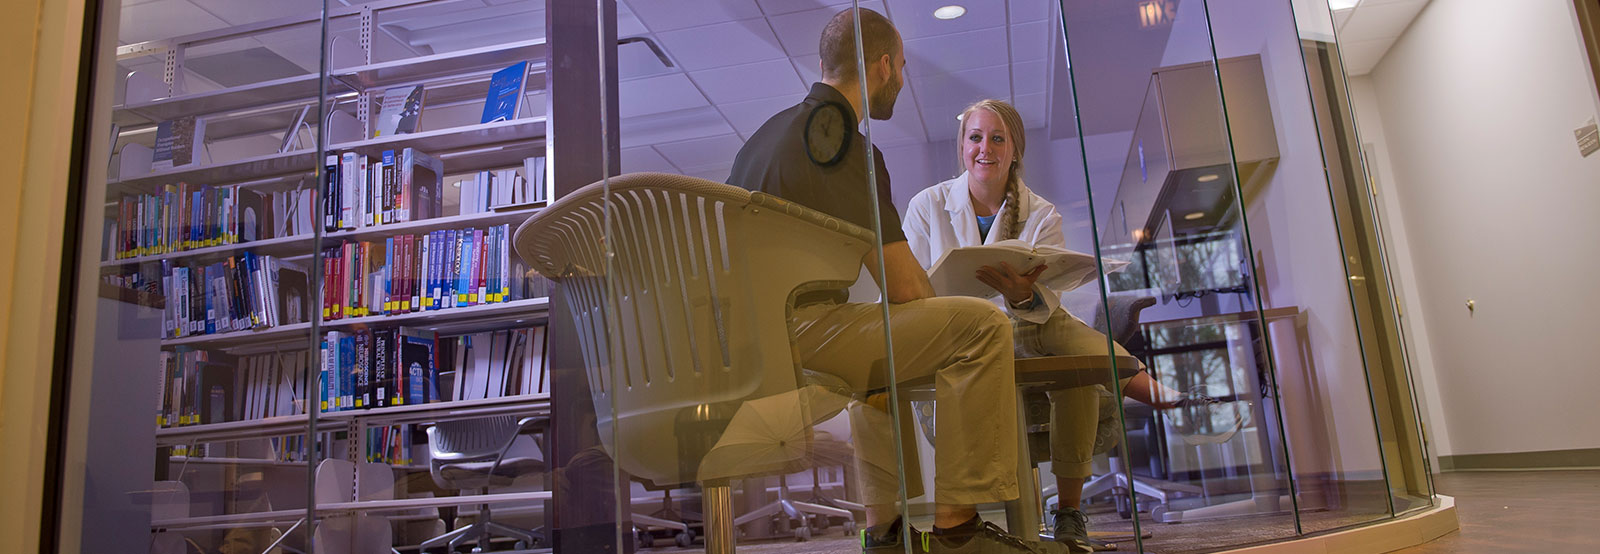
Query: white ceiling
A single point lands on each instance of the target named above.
(735, 62)
(1367, 30)
(749, 59)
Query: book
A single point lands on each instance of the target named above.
(505, 93)
(178, 142)
(420, 181)
(955, 274)
(400, 111)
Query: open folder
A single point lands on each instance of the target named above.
(956, 273)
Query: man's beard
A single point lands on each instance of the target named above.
(881, 103)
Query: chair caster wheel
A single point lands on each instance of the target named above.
(802, 533)
(644, 539)
(1161, 514)
(850, 528)
(685, 539)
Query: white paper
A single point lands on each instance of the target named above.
(956, 273)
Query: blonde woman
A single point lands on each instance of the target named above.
(989, 203)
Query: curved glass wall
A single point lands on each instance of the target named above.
(629, 275)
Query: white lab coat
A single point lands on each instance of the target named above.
(941, 218)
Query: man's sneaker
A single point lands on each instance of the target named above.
(1072, 529)
(986, 538)
(890, 542)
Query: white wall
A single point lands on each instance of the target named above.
(1478, 101)
(1403, 272)
(1293, 233)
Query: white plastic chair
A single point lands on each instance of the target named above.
(693, 318)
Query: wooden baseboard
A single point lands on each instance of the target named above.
(1549, 459)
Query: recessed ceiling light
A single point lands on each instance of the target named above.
(1209, 177)
(1194, 216)
(1342, 4)
(949, 12)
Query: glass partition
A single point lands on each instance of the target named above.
(721, 278)
(612, 276)
(989, 172)
(1179, 136)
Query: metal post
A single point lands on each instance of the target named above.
(718, 502)
(1023, 515)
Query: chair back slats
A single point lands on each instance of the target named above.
(691, 311)
(467, 440)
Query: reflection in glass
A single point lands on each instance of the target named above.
(1150, 91)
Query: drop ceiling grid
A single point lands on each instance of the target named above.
(939, 47)
(1367, 31)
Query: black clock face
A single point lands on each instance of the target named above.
(827, 134)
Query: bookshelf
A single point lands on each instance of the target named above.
(263, 144)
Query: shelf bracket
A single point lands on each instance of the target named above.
(172, 71)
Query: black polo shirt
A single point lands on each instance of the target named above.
(774, 161)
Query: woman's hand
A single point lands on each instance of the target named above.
(1015, 286)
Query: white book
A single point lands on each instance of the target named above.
(955, 274)
(495, 379)
(348, 183)
(536, 359)
(469, 189)
(283, 392)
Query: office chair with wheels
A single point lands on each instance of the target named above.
(471, 454)
(679, 290)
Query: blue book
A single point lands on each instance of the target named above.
(505, 93)
(327, 391)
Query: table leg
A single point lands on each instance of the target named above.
(1023, 514)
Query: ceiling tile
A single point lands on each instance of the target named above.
(775, 7)
(962, 88)
(956, 52)
(657, 95)
(722, 45)
(164, 19)
(1030, 41)
(702, 152)
(800, 32)
(1032, 107)
(810, 68)
(672, 126)
(715, 175)
(1361, 56)
(1379, 21)
(645, 158)
(1029, 10)
(667, 15)
(1340, 17)
(628, 25)
(914, 18)
(750, 81)
(904, 128)
(748, 116)
(940, 121)
(1029, 77)
(636, 60)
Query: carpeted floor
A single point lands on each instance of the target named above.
(1161, 538)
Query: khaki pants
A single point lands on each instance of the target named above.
(1075, 412)
(966, 345)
